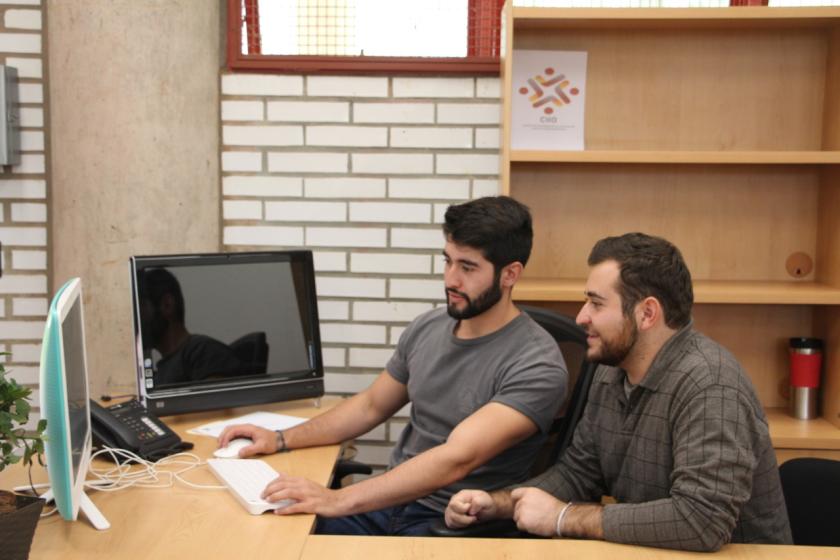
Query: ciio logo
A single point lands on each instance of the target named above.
(549, 92)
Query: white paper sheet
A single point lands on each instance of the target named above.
(268, 420)
(547, 101)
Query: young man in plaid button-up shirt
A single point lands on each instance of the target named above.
(672, 430)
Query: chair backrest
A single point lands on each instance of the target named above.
(572, 341)
(252, 351)
(812, 494)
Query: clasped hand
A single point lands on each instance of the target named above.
(533, 510)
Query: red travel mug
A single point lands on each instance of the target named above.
(805, 368)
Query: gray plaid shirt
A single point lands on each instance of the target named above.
(687, 455)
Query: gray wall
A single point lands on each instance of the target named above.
(134, 137)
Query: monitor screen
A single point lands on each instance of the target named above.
(64, 404)
(216, 325)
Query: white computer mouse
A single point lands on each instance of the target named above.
(231, 450)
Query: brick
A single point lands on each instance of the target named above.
(29, 307)
(335, 286)
(31, 117)
(417, 238)
(29, 260)
(348, 333)
(370, 357)
(21, 330)
(239, 185)
(399, 164)
(394, 112)
(242, 210)
(262, 135)
(23, 188)
(345, 237)
(241, 161)
(468, 113)
(20, 42)
(388, 311)
(329, 261)
(344, 187)
(307, 162)
(433, 87)
(26, 375)
(29, 212)
(263, 235)
(30, 93)
(26, 353)
(24, 236)
(373, 454)
(468, 164)
(439, 265)
(346, 86)
(390, 263)
(488, 87)
(391, 212)
(22, 19)
(27, 67)
(20, 284)
(364, 136)
(30, 163)
(485, 187)
(2, 314)
(348, 382)
(395, 334)
(424, 137)
(417, 289)
(487, 138)
(456, 189)
(31, 140)
(439, 213)
(333, 357)
(242, 111)
(259, 84)
(309, 111)
(289, 211)
(333, 311)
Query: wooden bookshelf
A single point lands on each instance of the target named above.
(718, 129)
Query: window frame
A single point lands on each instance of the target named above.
(325, 64)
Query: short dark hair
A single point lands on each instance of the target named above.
(499, 226)
(154, 283)
(649, 266)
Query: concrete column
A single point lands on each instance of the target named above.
(134, 145)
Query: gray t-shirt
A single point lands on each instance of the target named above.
(448, 379)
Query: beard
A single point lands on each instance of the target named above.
(614, 351)
(475, 307)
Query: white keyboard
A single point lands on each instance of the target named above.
(246, 479)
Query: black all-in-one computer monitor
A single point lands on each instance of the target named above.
(221, 330)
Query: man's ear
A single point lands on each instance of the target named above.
(649, 313)
(510, 274)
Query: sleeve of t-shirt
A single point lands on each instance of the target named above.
(535, 383)
(397, 365)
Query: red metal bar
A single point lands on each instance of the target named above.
(252, 26)
(748, 2)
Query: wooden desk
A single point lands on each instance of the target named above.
(321, 547)
(181, 522)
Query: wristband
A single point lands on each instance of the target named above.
(281, 442)
(559, 528)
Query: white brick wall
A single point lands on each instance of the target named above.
(380, 161)
(24, 210)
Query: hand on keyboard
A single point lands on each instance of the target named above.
(246, 479)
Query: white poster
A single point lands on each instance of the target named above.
(547, 101)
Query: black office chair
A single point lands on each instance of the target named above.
(812, 494)
(572, 341)
(252, 350)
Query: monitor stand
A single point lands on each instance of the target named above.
(87, 507)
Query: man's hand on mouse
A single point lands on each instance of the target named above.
(265, 441)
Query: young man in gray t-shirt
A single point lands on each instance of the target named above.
(483, 378)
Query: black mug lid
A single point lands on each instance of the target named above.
(806, 342)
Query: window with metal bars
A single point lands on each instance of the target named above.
(370, 36)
